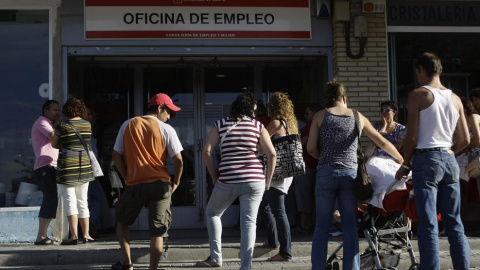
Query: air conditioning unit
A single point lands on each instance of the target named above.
(373, 6)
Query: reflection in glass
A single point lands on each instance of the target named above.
(107, 91)
(296, 80)
(24, 88)
(222, 86)
(459, 55)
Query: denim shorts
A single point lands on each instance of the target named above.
(156, 196)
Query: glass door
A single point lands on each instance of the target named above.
(121, 88)
(221, 85)
(107, 90)
(179, 83)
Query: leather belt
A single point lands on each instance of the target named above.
(435, 149)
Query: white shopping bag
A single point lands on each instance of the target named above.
(382, 171)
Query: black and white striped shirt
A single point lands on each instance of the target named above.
(239, 162)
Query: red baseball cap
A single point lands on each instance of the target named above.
(163, 99)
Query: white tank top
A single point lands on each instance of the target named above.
(437, 122)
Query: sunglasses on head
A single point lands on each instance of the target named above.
(386, 110)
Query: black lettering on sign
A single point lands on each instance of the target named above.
(153, 18)
(433, 13)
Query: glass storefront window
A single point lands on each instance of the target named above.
(24, 78)
(459, 55)
(298, 81)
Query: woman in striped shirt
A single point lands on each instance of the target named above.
(240, 175)
(75, 170)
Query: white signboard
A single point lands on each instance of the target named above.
(197, 19)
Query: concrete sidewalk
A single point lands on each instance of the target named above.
(185, 248)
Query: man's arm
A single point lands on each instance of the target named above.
(48, 131)
(119, 164)
(54, 140)
(461, 136)
(178, 170)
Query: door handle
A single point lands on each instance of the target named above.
(199, 145)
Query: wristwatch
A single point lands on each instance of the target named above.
(405, 167)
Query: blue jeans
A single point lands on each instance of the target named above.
(277, 226)
(334, 183)
(95, 203)
(250, 195)
(268, 222)
(436, 180)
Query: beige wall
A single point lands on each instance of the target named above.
(366, 79)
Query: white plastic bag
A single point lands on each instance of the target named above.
(382, 171)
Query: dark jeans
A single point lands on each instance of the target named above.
(95, 203)
(276, 222)
(46, 179)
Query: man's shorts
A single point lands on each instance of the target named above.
(156, 196)
(46, 178)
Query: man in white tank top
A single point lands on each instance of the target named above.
(436, 130)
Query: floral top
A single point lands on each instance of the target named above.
(338, 141)
(474, 151)
(391, 137)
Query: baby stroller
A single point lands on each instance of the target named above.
(387, 234)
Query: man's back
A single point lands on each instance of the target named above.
(140, 154)
(437, 122)
(145, 153)
(436, 130)
(45, 154)
(145, 142)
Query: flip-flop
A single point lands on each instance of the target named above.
(44, 242)
(88, 240)
(207, 263)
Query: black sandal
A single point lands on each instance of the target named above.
(120, 266)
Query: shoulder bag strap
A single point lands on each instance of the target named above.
(78, 135)
(357, 126)
(285, 125)
(225, 135)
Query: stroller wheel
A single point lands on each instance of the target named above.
(414, 266)
(335, 266)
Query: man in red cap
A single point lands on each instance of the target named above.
(140, 155)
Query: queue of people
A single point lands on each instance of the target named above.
(440, 127)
